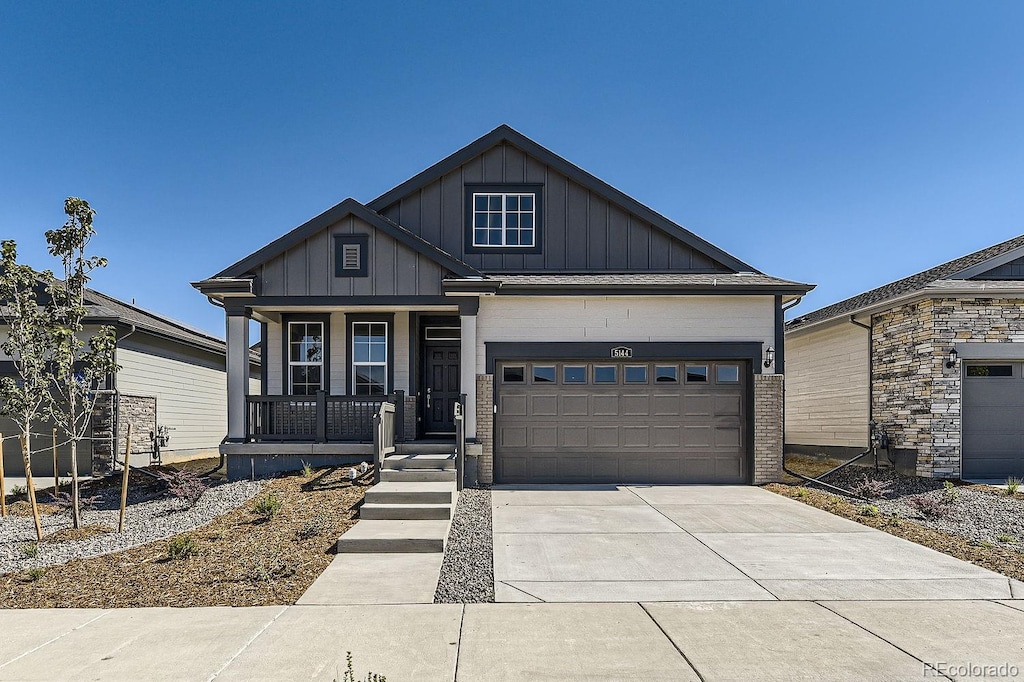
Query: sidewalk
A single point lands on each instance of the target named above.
(881, 640)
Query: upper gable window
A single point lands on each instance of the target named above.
(503, 218)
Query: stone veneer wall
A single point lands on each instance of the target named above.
(914, 397)
(139, 411)
(485, 427)
(768, 427)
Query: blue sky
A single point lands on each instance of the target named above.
(840, 143)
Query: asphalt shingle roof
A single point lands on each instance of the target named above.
(907, 285)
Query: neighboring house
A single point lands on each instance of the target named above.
(588, 337)
(935, 359)
(171, 375)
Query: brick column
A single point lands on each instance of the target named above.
(768, 430)
(485, 427)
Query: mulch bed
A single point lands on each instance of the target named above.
(240, 558)
(995, 558)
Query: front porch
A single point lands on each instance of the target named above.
(328, 370)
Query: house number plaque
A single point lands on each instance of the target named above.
(622, 352)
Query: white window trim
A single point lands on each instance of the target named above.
(355, 373)
(504, 227)
(298, 363)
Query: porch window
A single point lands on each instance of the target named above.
(305, 357)
(370, 358)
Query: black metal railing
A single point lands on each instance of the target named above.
(319, 418)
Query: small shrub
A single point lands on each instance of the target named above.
(869, 510)
(949, 492)
(64, 501)
(350, 675)
(34, 574)
(980, 543)
(928, 506)
(1006, 538)
(18, 490)
(871, 488)
(268, 506)
(307, 471)
(184, 486)
(894, 521)
(1012, 485)
(182, 547)
(800, 492)
(313, 528)
(30, 549)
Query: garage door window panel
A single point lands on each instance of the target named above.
(696, 374)
(574, 374)
(727, 374)
(514, 374)
(989, 371)
(606, 374)
(544, 374)
(666, 374)
(635, 374)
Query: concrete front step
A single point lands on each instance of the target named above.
(417, 475)
(425, 448)
(405, 492)
(406, 512)
(394, 537)
(428, 461)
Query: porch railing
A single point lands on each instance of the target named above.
(383, 437)
(460, 444)
(319, 418)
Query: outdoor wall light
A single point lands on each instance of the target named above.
(951, 363)
(769, 357)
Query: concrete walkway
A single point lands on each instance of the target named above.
(763, 640)
(708, 543)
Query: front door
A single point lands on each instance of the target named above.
(440, 386)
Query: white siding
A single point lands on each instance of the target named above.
(339, 354)
(624, 318)
(827, 386)
(190, 398)
(401, 359)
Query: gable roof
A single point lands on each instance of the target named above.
(909, 285)
(334, 214)
(505, 133)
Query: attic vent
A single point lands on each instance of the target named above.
(350, 252)
(350, 257)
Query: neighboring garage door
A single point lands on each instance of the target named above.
(993, 420)
(642, 422)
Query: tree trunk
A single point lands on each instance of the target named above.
(29, 485)
(76, 513)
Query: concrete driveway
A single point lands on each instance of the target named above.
(708, 543)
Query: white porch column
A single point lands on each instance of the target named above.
(237, 369)
(467, 379)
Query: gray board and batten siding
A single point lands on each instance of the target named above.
(583, 231)
(393, 268)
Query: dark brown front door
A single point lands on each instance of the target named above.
(441, 386)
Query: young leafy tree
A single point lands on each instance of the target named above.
(29, 344)
(79, 366)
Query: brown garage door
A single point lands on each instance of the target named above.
(642, 422)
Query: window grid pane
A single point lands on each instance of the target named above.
(305, 357)
(503, 220)
(369, 358)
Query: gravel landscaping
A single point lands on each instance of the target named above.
(467, 573)
(150, 516)
(976, 523)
